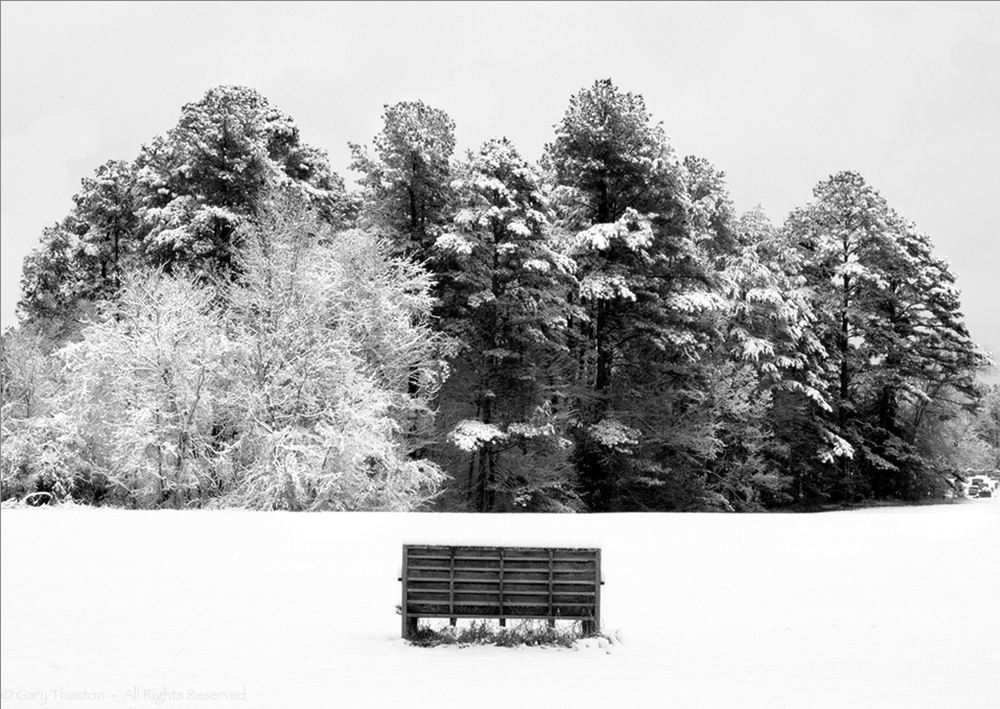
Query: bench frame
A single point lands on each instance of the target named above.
(550, 583)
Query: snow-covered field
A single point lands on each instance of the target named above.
(875, 608)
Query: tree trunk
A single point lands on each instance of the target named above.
(604, 359)
(845, 372)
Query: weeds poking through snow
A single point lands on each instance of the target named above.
(530, 633)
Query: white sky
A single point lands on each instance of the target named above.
(778, 95)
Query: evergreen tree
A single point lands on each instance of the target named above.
(643, 283)
(50, 277)
(209, 174)
(889, 317)
(406, 181)
(504, 284)
(179, 206)
(106, 207)
(767, 328)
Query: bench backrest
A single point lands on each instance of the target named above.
(500, 582)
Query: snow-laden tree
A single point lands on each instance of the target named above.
(80, 260)
(645, 289)
(330, 331)
(106, 206)
(889, 317)
(406, 181)
(178, 206)
(956, 441)
(608, 151)
(27, 379)
(504, 286)
(613, 172)
(768, 320)
(144, 386)
(50, 281)
(711, 217)
(761, 327)
(207, 176)
(36, 460)
(290, 387)
(986, 426)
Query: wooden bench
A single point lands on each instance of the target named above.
(500, 582)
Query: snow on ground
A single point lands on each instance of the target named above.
(875, 608)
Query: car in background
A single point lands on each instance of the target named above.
(981, 486)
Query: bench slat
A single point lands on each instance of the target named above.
(526, 582)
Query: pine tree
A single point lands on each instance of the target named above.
(504, 284)
(768, 330)
(179, 205)
(643, 280)
(406, 182)
(208, 175)
(890, 320)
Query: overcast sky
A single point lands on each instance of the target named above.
(778, 95)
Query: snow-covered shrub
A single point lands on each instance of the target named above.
(42, 460)
(349, 460)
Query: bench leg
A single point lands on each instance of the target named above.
(409, 626)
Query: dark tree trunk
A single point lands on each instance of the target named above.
(845, 374)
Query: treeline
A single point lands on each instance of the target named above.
(220, 322)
